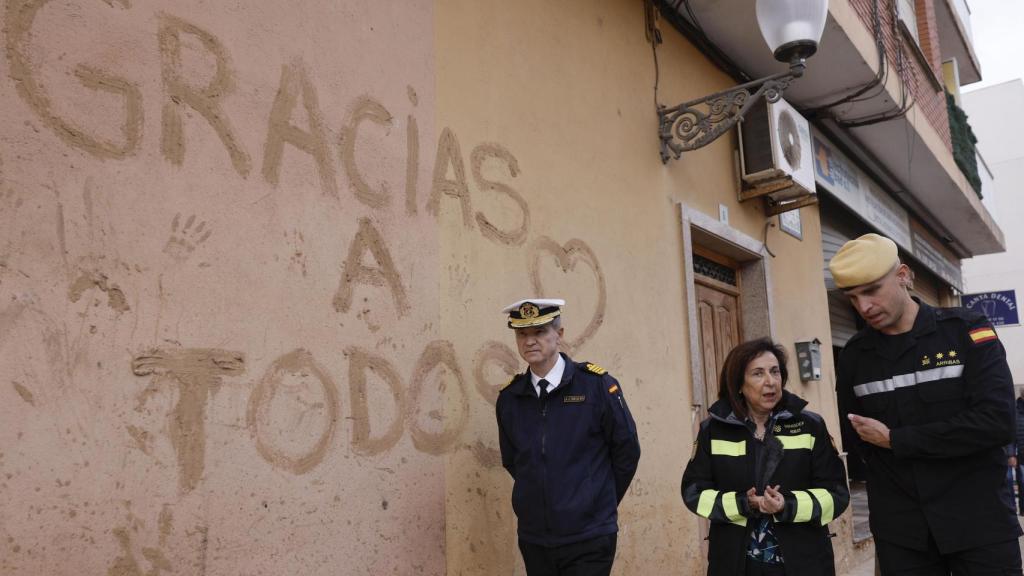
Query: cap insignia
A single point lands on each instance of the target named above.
(529, 310)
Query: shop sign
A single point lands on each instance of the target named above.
(937, 262)
(834, 172)
(999, 307)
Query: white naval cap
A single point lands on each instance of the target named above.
(533, 312)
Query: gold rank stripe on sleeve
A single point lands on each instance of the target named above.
(980, 335)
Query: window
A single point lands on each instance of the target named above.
(908, 16)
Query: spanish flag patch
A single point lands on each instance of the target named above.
(980, 335)
(613, 389)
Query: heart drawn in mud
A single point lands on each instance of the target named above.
(567, 256)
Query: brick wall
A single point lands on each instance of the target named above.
(921, 89)
(928, 33)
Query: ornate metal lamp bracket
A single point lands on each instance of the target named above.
(686, 127)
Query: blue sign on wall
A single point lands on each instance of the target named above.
(1000, 307)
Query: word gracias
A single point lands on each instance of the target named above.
(180, 92)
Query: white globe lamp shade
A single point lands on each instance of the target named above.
(792, 28)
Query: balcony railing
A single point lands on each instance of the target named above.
(963, 143)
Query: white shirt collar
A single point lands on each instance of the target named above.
(554, 376)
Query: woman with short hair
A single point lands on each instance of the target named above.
(765, 472)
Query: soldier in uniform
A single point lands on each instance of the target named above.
(570, 444)
(928, 393)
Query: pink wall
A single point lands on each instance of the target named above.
(219, 341)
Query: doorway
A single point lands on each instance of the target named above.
(717, 286)
(728, 293)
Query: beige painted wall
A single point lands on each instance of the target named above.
(180, 349)
(567, 88)
(256, 345)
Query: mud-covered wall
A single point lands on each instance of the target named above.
(569, 90)
(252, 259)
(220, 349)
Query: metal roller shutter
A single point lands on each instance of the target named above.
(841, 316)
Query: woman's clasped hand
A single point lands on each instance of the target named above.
(771, 502)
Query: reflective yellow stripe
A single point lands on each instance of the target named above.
(732, 510)
(797, 442)
(726, 448)
(706, 503)
(804, 506)
(828, 506)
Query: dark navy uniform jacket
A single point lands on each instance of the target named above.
(572, 457)
(944, 390)
(798, 455)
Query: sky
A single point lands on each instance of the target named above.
(998, 31)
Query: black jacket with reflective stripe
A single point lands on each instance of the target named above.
(572, 457)
(810, 475)
(948, 401)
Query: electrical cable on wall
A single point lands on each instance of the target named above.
(880, 77)
(699, 39)
(655, 35)
(907, 99)
(768, 224)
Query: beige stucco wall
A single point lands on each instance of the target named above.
(179, 348)
(255, 345)
(568, 89)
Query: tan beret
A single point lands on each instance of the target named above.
(863, 260)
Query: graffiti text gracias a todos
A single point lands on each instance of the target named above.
(197, 372)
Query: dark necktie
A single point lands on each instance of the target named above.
(543, 389)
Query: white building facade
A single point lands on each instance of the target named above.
(997, 117)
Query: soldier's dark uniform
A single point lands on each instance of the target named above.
(572, 455)
(945, 392)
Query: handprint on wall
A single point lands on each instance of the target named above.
(185, 239)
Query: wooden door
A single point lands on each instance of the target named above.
(716, 282)
(718, 314)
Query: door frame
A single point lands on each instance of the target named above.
(754, 268)
(755, 301)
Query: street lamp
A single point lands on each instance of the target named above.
(792, 29)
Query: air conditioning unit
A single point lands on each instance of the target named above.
(776, 157)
